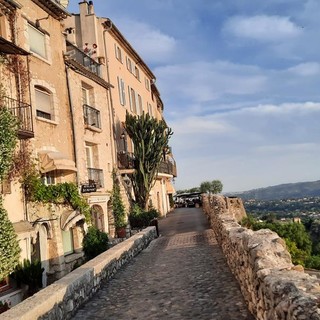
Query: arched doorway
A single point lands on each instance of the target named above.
(97, 217)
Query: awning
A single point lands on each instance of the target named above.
(169, 187)
(70, 218)
(51, 161)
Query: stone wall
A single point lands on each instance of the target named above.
(272, 286)
(61, 299)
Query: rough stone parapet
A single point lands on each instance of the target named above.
(61, 299)
(272, 286)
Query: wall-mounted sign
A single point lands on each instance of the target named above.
(87, 188)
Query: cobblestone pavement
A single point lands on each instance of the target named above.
(181, 275)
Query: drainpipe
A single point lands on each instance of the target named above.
(111, 109)
(74, 136)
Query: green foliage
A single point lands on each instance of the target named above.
(313, 262)
(64, 194)
(150, 138)
(118, 208)
(94, 242)
(140, 218)
(29, 273)
(297, 239)
(214, 186)
(9, 246)
(8, 140)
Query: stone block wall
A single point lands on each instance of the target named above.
(61, 299)
(272, 286)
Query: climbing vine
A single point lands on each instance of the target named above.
(61, 194)
(9, 246)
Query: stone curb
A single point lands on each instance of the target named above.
(61, 299)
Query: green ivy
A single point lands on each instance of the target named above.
(9, 246)
(61, 194)
(118, 208)
(8, 140)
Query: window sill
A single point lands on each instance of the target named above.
(91, 128)
(47, 120)
(73, 256)
(47, 61)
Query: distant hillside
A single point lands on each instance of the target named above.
(282, 191)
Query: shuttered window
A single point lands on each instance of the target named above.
(37, 41)
(43, 103)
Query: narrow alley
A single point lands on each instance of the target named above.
(181, 275)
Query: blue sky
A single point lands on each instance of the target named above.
(240, 81)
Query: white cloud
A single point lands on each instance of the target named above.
(306, 69)
(153, 45)
(205, 81)
(262, 28)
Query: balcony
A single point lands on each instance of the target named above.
(168, 168)
(95, 176)
(125, 160)
(83, 59)
(24, 114)
(91, 116)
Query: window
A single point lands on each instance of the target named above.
(139, 105)
(89, 156)
(118, 52)
(67, 241)
(43, 103)
(48, 178)
(85, 96)
(150, 109)
(147, 83)
(37, 41)
(129, 65)
(137, 73)
(122, 94)
(132, 95)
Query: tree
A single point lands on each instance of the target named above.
(9, 246)
(150, 138)
(214, 186)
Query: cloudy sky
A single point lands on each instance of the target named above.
(240, 81)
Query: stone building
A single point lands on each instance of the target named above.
(70, 79)
(134, 91)
(35, 89)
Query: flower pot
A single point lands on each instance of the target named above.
(121, 232)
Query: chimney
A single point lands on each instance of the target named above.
(90, 8)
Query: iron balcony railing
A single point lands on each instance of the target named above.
(74, 53)
(91, 116)
(96, 177)
(168, 168)
(23, 112)
(125, 160)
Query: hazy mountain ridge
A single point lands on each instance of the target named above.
(282, 191)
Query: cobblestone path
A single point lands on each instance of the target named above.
(181, 275)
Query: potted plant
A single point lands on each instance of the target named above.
(118, 208)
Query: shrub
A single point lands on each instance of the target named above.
(94, 242)
(139, 218)
(29, 273)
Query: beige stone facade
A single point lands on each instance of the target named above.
(77, 76)
(133, 90)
